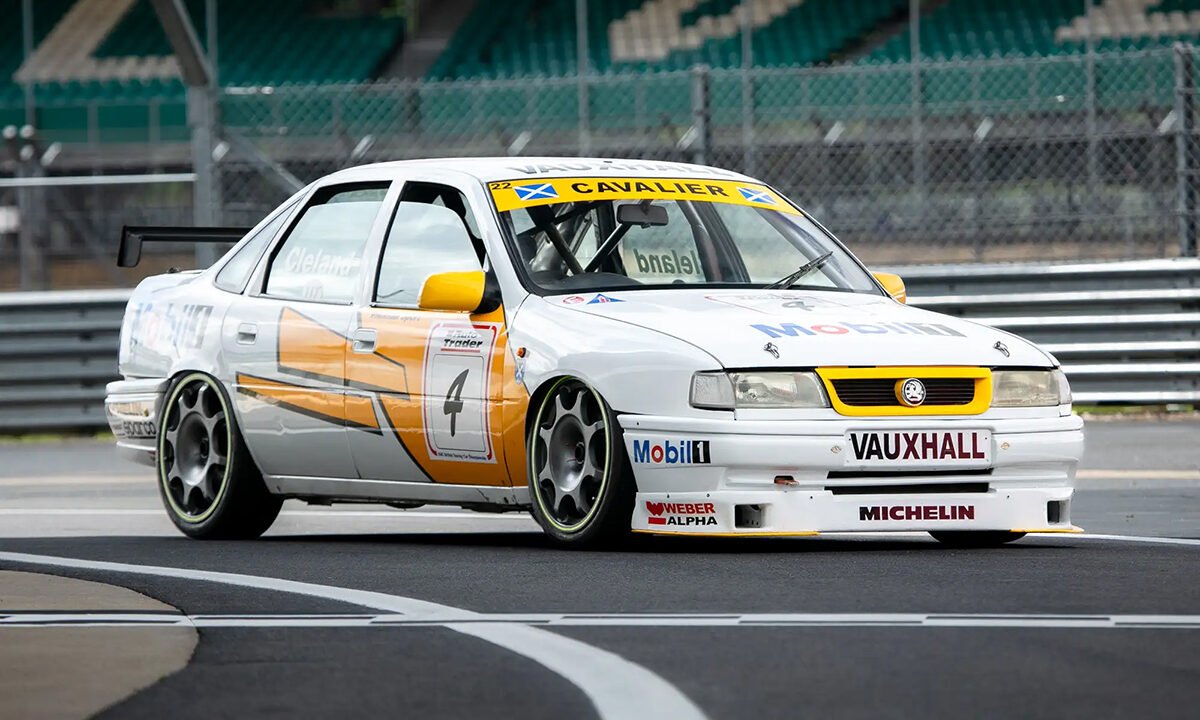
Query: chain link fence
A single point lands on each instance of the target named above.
(1071, 157)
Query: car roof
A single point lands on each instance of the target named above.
(488, 169)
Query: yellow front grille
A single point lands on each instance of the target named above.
(946, 398)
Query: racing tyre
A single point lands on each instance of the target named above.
(580, 482)
(207, 480)
(975, 538)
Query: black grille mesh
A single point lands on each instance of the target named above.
(882, 393)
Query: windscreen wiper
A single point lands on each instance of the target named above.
(803, 270)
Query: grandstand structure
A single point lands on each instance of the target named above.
(1051, 127)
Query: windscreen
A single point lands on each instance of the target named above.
(569, 235)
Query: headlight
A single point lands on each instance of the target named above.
(1030, 388)
(758, 390)
(712, 390)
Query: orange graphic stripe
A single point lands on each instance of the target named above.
(377, 371)
(309, 349)
(360, 411)
(312, 350)
(329, 405)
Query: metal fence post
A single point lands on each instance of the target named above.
(1185, 91)
(702, 140)
(201, 109)
(1091, 203)
(29, 258)
(918, 130)
(583, 63)
(27, 50)
(747, 23)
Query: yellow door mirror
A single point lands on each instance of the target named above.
(453, 291)
(893, 284)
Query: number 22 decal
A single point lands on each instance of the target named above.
(455, 406)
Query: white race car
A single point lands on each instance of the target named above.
(612, 345)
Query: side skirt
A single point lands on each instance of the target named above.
(496, 499)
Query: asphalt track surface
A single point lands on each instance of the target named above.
(447, 614)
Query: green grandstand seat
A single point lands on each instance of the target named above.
(1014, 28)
(351, 50)
(541, 42)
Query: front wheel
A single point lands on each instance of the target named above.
(579, 476)
(975, 538)
(207, 480)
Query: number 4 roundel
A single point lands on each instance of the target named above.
(454, 403)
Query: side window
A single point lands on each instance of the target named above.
(320, 258)
(663, 254)
(430, 233)
(237, 271)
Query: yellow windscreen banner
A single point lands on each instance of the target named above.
(514, 194)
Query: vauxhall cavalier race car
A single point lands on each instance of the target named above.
(612, 345)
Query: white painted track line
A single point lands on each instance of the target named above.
(493, 621)
(616, 687)
(147, 512)
(518, 516)
(1133, 538)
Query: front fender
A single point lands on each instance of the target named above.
(636, 370)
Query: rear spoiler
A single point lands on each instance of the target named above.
(129, 254)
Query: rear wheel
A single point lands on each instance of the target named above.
(579, 477)
(208, 482)
(975, 538)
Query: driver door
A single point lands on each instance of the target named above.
(439, 376)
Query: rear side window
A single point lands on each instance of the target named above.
(236, 273)
(320, 259)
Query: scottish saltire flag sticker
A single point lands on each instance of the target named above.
(526, 192)
(537, 191)
(756, 196)
(602, 298)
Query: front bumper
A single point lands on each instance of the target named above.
(793, 478)
(132, 408)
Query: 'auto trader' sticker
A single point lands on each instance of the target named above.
(457, 375)
(522, 193)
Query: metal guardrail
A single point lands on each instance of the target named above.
(57, 352)
(1125, 333)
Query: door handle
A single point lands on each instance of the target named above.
(363, 340)
(247, 333)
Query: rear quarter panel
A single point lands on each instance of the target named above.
(172, 324)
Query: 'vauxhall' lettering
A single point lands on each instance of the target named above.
(917, 446)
